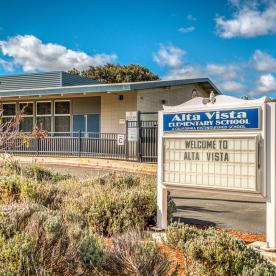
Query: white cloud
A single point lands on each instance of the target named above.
(170, 56)
(227, 71)
(186, 29)
(265, 84)
(263, 61)
(173, 58)
(185, 72)
(249, 20)
(32, 54)
(232, 86)
(227, 76)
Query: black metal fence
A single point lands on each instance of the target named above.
(146, 139)
(142, 148)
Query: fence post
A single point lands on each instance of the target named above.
(126, 142)
(139, 136)
(37, 146)
(80, 145)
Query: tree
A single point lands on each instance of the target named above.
(114, 73)
(10, 136)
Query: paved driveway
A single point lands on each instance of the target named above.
(243, 213)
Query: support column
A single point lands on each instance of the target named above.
(162, 207)
(162, 192)
(271, 177)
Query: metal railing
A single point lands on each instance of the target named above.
(78, 144)
(91, 144)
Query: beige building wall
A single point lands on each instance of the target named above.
(152, 100)
(113, 111)
(87, 105)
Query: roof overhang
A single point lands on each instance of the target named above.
(205, 83)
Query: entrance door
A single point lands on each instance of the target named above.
(79, 123)
(93, 123)
(86, 123)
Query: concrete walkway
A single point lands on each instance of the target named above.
(91, 163)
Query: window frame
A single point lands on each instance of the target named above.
(65, 114)
(25, 115)
(44, 115)
(9, 116)
(62, 115)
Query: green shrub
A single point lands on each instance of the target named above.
(13, 188)
(14, 218)
(8, 166)
(17, 255)
(114, 203)
(9, 188)
(224, 255)
(262, 269)
(52, 225)
(120, 181)
(114, 208)
(29, 189)
(132, 253)
(115, 211)
(60, 217)
(179, 233)
(91, 250)
(49, 195)
(12, 166)
(42, 174)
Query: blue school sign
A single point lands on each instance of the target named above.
(212, 120)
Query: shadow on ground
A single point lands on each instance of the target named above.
(194, 221)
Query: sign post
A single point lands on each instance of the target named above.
(271, 177)
(222, 143)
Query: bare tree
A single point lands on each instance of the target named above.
(10, 136)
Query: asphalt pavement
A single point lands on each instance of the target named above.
(238, 212)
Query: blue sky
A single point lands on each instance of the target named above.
(232, 42)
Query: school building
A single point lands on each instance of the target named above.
(64, 104)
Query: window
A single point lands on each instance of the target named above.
(27, 110)
(9, 112)
(44, 122)
(62, 116)
(62, 108)
(44, 108)
(44, 115)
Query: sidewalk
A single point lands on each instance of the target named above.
(93, 163)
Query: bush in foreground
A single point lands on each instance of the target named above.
(62, 217)
(17, 255)
(91, 250)
(115, 203)
(42, 174)
(217, 254)
(132, 253)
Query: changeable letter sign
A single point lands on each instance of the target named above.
(225, 144)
